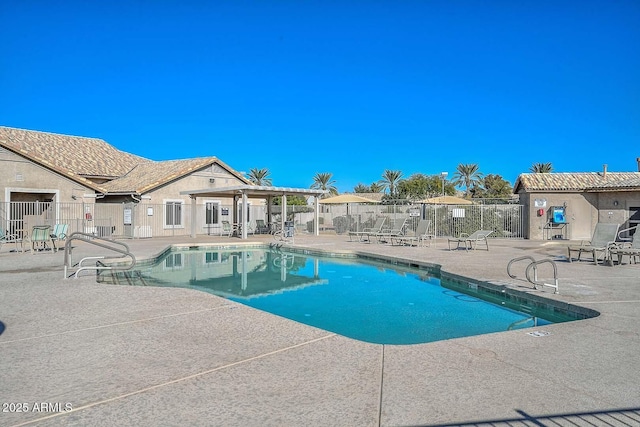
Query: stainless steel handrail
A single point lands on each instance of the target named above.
(111, 245)
(530, 258)
(535, 281)
(534, 265)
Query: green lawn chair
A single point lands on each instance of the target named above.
(59, 233)
(39, 237)
(10, 238)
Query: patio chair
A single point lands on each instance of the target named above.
(261, 227)
(421, 235)
(10, 238)
(59, 233)
(395, 230)
(377, 227)
(604, 237)
(228, 229)
(471, 240)
(39, 236)
(630, 249)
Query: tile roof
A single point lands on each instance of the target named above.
(79, 158)
(578, 181)
(371, 196)
(148, 175)
(89, 157)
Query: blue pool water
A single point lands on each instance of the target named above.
(369, 301)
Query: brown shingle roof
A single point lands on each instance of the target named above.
(80, 157)
(578, 181)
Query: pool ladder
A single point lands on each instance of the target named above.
(109, 244)
(533, 266)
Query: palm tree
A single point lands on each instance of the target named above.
(541, 168)
(390, 180)
(259, 176)
(467, 176)
(361, 188)
(376, 187)
(323, 181)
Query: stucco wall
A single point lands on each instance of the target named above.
(19, 175)
(614, 207)
(583, 211)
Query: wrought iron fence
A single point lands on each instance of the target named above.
(175, 219)
(140, 220)
(506, 220)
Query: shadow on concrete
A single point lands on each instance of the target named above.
(615, 417)
(1, 328)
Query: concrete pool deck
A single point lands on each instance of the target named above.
(75, 352)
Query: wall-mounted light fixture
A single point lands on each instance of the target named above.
(615, 203)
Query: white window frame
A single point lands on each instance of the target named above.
(241, 214)
(219, 208)
(164, 214)
(173, 261)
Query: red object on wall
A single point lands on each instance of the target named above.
(540, 212)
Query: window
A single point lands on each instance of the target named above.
(173, 214)
(240, 211)
(211, 257)
(212, 213)
(173, 261)
(634, 219)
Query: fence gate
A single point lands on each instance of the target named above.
(128, 220)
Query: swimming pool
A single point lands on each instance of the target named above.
(365, 299)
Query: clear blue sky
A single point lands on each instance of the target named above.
(347, 87)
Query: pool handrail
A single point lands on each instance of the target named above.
(92, 239)
(535, 280)
(513, 261)
(534, 265)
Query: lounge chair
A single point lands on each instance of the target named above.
(471, 240)
(630, 249)
(377, 227)
(604, 237)
(421, 235)
(59, 233)
(10, 238)
(395, 230)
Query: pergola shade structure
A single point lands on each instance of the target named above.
(245, 192)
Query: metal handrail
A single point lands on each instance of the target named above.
(96, 241)
(535, 281)
(530, 258)
(534, 265)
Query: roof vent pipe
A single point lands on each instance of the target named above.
(638, 160)
(604, 171)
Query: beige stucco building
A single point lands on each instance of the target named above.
(111, 186)
(585, 198)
